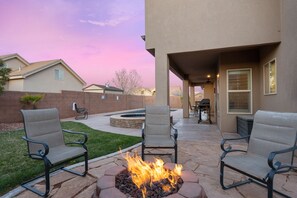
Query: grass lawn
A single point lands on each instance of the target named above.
(16, 168)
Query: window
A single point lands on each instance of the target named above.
(59, 74)
(269, 71)
(239, 88)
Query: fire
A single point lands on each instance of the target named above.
(146, 173)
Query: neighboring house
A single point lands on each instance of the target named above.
(103, 89)
(44, 76)
(144, 92)
(242, 52)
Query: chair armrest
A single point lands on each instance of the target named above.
(40, 153)
(278, 165)
(229, 148)
(175, 134)
(77, 133)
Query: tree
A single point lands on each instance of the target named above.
(4, 75)
(127, 81)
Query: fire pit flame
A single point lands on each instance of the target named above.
(143, 173)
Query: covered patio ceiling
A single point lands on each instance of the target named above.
(196, 65)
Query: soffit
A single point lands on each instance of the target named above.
(195, 66)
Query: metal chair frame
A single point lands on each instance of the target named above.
(174, 138)
(276, 168)
(82, 112)
(42, 155)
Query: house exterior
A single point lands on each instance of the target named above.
(144, 92)
(242, 52)
(44, 76)
(105, 89)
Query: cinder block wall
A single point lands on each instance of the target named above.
(10, 105)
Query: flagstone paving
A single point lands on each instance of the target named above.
(198, 151)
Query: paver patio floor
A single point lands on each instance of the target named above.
(198, 150)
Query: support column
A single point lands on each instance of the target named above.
(192, 95)
(162, 78)
(185, 98)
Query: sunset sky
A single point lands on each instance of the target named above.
(95, 38)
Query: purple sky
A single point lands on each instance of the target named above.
(95, 38)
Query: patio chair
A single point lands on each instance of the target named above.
(81, 111)
(270, 151)
(158, 132)
(45, 141)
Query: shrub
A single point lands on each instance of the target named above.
(28, 99)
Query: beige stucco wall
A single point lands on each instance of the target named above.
(286, 59)
(94, 91)
(14, 64)
(176, 26)
(237, 60)
(44, 81)
(15, 85)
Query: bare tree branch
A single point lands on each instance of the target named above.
(127, 81)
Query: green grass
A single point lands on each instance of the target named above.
(16, 168)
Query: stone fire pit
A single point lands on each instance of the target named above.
(106, 185)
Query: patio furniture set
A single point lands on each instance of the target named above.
(270, 151)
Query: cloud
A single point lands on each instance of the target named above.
(110, 22)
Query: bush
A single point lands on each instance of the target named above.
(31, 99)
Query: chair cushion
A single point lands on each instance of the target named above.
(158, 141)
(252, 164)
(63, 153)
(273, 131)
(157, 120)
(43, 125)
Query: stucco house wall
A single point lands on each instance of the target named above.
(45, 80)
(94, 88)
(40, 76)
(14, 63)
(286, 60)
(244, 34)
(174, 26)
(237, 60)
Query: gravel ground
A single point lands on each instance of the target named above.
(10, 126)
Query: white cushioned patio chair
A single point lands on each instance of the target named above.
(270, 150)
(158, 132)
(45, 141)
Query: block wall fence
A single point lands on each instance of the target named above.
(10, 105)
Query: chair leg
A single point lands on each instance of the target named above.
(86, 163)
(175, 153)
(142, 152)
(47, 179)
(86, 115)
(47, 182)
(78, 173)
(222, 165)
(270, 184)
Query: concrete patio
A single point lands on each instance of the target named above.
(198, 150)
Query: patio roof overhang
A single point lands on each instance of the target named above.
(196, 65)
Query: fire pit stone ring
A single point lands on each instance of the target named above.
(105, 187)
